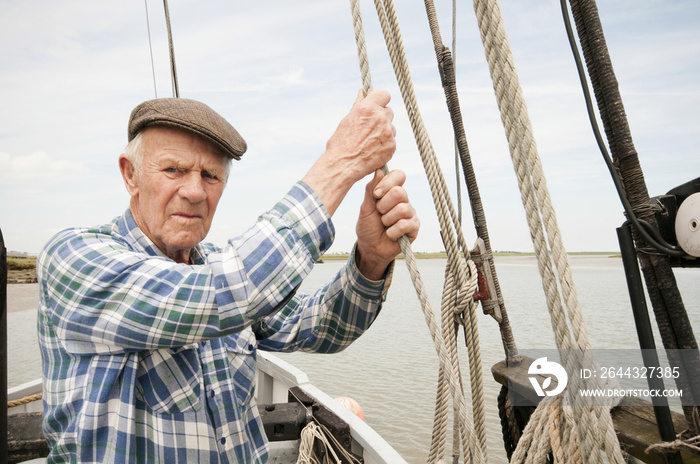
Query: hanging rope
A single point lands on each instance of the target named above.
(453, 301)
(449, 84)
(171, 46)
(150, 48)
(458, 182)
(473, 448)
(594, 428)
(464, 270)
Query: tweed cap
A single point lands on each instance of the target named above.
(190, 115)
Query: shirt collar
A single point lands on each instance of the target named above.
(131, 232)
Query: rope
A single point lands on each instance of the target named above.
(24, 400)
(685, 441)
(309, 434)
(315, 430)
(150, 47)
(171, 46)
(449, 85)
(458, 183)
(691, 444)
(439, 436)
(509, 427)
(454, 302)
(594, 427)
(473, 448)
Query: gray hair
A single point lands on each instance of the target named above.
(135, 150)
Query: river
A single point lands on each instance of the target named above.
(392, 370)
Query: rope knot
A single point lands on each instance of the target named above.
(464, 298)
(683, 442)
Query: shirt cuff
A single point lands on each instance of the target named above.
(377, 288)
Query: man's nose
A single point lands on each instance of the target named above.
(192, 187)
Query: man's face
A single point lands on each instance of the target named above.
(176, 194)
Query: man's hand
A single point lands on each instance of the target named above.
(385, 215)
(362, 143)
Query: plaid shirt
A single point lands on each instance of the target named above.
(147, 360)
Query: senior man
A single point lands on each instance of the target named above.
(149, 335)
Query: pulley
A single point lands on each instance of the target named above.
(679, 221)
(688, 225)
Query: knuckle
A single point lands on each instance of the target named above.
(398, 194)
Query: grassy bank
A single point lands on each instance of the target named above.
(21, 264)
(21, 270)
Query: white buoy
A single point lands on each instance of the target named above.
(688, 225)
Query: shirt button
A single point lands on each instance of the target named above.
(251, 347)
(212, 394)
(223, 440)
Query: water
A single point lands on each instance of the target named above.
(23, 358)
(392, 370)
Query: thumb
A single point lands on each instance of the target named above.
(370, 194)
(360, 96)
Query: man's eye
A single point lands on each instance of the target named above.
(210, 176)
(173, 171)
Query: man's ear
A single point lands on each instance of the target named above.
(128, 174)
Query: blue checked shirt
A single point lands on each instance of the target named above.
(147, 360)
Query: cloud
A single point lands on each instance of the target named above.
(36, 166)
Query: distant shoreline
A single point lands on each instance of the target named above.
(496, 254)
(25, 272)
(23, 287)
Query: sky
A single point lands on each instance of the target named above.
(285, 73)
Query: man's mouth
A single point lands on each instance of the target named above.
(187, 216)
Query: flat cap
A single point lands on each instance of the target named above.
(192, 116)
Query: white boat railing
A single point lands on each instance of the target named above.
(276, 376)
(23, 391)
